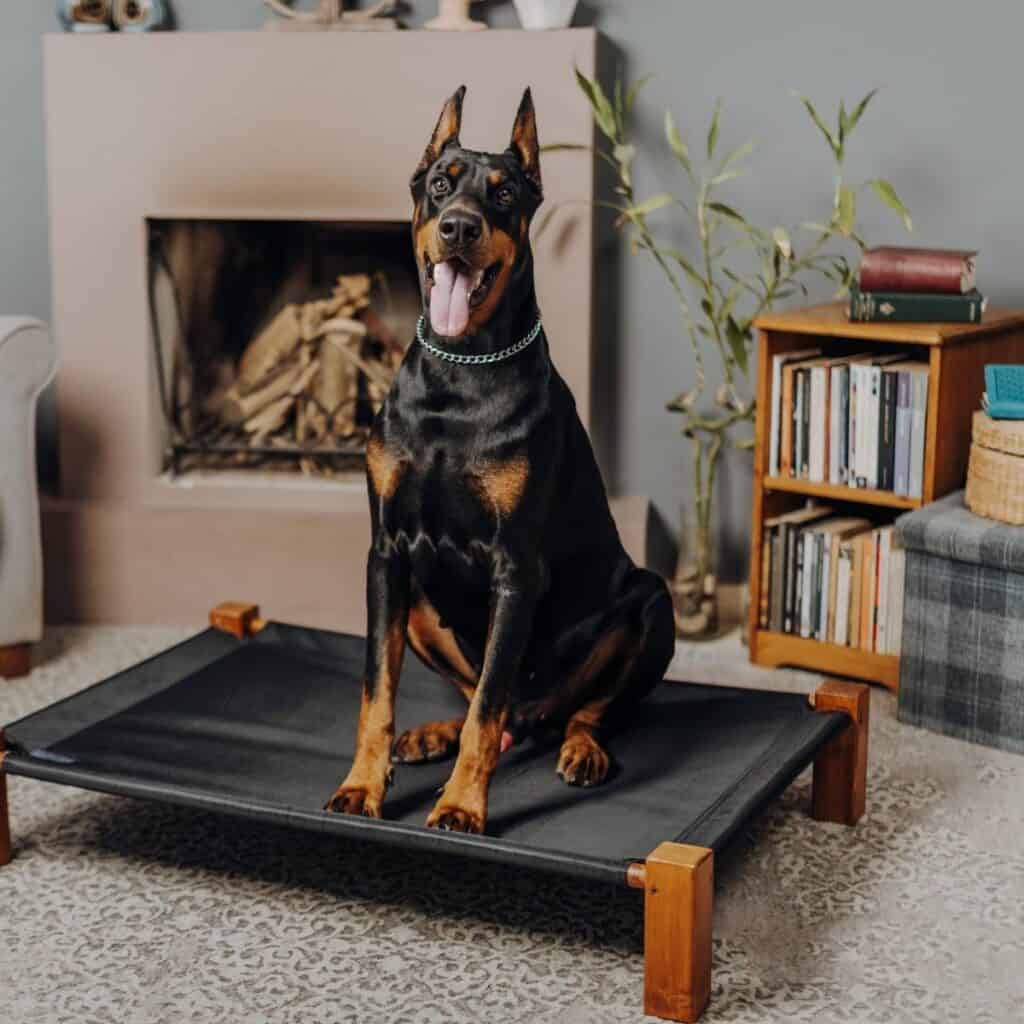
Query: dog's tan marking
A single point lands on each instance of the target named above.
(453, 170)
(501, 484)
(462, 806)
(501, 248)
(384, 468)
(496, 178)
(436, 645)
(362, 791)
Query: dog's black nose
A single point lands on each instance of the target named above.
(460, 227)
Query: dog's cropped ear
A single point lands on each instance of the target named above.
(524, 142)
(446, 132)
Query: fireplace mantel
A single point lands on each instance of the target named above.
(317, 126)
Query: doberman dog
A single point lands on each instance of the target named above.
(493, 553)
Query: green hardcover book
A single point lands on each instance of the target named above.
(915, 307)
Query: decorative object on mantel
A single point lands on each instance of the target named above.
(717, 296)
(139, 15)
(453, 16)
(26, 366)
(331, 14)
(84, 15)
(543, 14)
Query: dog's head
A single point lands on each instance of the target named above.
(471, 224)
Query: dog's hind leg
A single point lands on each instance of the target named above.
(623, 667)
(436, 646)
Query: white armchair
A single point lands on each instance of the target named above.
(27, 362)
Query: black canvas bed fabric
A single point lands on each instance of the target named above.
(265, 727)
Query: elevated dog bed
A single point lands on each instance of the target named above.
(257, 719)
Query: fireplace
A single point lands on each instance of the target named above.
(275, 341)
(293, 151)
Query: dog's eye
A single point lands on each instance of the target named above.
(440, 187)
(506, 195)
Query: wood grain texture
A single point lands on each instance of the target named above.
(237, 618)
(830, 320)
(678, 899)
(776, 649)
(835, 492)
(841, 767)
(15, 660)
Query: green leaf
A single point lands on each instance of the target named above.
(739, 153)
(727, 211)
(782, 241)
(556, 147)
(846, 209)
(676, 144)
(737, 339)
(887, 194)
(688, 267)
(822, 127)
(633, 91)
(720, 179)
(713, 129)
(842, 122)
(855, 114)
(648, 205)
(603, 113)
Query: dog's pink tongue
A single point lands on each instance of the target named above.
(449, 301)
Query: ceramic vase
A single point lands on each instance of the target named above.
(540, 14)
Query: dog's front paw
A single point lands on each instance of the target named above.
(449, 818)
(354, 798)
(582, 761)
(432, 741)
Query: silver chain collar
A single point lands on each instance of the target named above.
(470, 359)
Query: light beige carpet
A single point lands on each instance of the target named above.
(116, 911)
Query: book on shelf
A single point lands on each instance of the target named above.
(779, 552)
(916, 307)
(854, 420)
(778, 362)
(837, 580)
(891, 268)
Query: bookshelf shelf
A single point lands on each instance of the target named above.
(836, 492)
(956, 355)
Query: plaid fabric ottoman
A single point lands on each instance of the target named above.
(962, 663)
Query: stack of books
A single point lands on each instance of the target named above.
(836, 579)
(855, 420)
(904, 285)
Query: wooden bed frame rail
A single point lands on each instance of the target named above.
(677, 880)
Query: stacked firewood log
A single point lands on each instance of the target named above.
(308, 382)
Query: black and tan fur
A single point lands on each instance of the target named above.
(494, 554)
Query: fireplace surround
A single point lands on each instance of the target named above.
(250, 127)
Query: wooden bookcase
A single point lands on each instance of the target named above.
(956, 355)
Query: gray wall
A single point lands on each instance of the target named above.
(944, 130)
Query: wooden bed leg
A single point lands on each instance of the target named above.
(841, 768)
(678, 883)
(15, 660)
(237, 618)
(5, 818)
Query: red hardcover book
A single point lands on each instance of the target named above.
(890, 268)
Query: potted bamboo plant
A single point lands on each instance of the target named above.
(716, 293)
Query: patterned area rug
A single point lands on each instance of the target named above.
(129, 912)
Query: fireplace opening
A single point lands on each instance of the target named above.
(275, 341)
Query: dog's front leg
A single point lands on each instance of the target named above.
(387, 594)
(462, 806)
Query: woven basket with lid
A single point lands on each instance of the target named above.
(995, 473)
